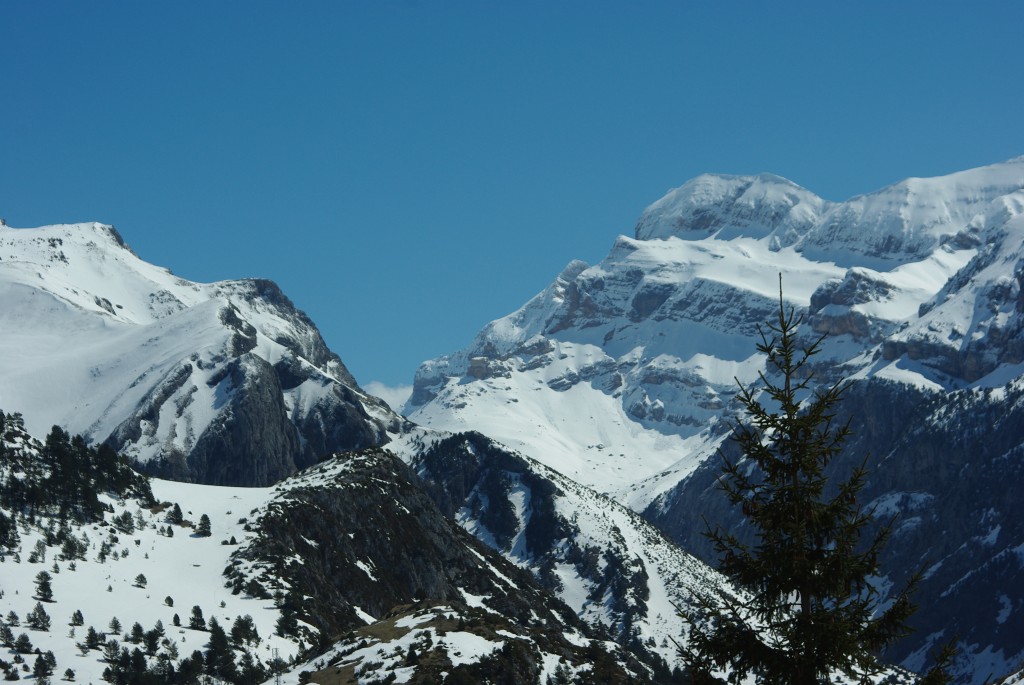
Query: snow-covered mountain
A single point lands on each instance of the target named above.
(616, 372)
(622, 375)
(172, 373)
(223, 383)
(332, 569)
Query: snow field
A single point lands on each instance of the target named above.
(188, 569)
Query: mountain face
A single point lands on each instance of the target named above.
(330, 570)
(623, 375)
(614, 569)
(221, 383)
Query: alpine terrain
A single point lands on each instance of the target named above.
(532, 518)
(223, 383)
(623, 375)
(445, 555)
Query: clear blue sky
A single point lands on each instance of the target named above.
(408, 171)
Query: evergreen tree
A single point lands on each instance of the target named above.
(111, 651)
(220, 659)
(810, 609)
(23, 644)
(250, 671)
(114, 625)
(140, 580)
(77, 619)
(38, 619)
(44, 591)
(41, 669)
(203, 529)
(174, 515)
(196, 621)
(243, 631)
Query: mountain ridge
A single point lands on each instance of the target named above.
(168, 370)
(623, 374)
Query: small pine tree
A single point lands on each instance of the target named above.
(196, 621)
(140, 580)
(203, 529)
(92, 638)
(111, 651)
(168, 601)
(38, 619)
(810, 610)
(174, 515)
(114, 625)
(23, 644)
(44, 590)
(77, 619)
(40, 669)
(69, 675)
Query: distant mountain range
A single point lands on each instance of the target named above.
(569, 437)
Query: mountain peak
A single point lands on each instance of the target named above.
(732, 206)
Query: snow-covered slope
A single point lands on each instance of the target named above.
(223, 382)
(351, 546)
(130, 564)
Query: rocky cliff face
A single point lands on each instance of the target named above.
(221, 383)
(355, 540)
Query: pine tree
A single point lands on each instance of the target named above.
(41, 669)
(203, 530)
(196, 621)
(23, 644)
(38, 619)
(175, 516)
(219, 658)
(6, 636)
(810, 609)
(44, 591)
(111, 651)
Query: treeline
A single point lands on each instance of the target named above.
(62, 477)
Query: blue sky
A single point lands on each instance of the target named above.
(408, 171)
